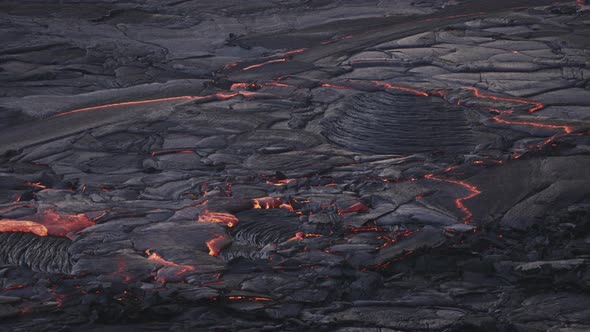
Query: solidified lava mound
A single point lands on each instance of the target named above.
(396, 123)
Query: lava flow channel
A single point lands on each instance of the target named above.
(48, 223)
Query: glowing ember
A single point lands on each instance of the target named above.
(218, 217)
(265, 63)
(48, 223)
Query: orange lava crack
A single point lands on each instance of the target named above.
(154, 257)
(220, 96)
(265, 63)
(537, 105)
(459, 202)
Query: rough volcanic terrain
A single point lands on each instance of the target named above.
(274, 165)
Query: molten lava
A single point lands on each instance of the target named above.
(216, 244)
(536, 105)
(459, 202)
(365, 229)
(265, 63)
(401, 88)
(296, 51)
(357, 207)
(281, 182)
(48, 222)
(243, 85)
(218, 217)
(335, 86)
(248, 298)
(301, 235)
(326, 42)
(218, 96)
(24, 226)
(164, 152)
(566, 129)
(127, 103)
(453, 16)
(36, 185)
(276, 84)
(271, 203)
(154, 257)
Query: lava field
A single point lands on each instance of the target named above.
(291, 165)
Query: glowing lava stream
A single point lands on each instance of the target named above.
(331, 41)
(401, 88)
(566, 129)
(220, 96)
(154, 257)
(537, 105)
(215, 245)
(272, 203)
(48, 223)
(218, 217)
(459, 202)
(248, 298)
(265, 63)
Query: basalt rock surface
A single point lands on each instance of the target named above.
(295, 166)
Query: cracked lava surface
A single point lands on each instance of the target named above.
(295, 166)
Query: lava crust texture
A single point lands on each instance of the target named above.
(331, 165)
